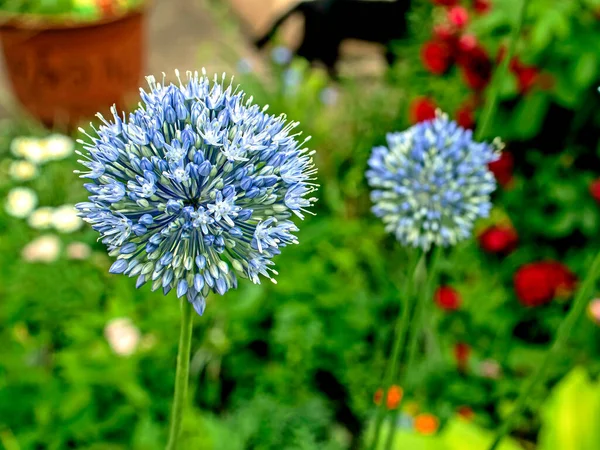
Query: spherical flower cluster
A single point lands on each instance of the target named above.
(431, 183)
(196, 186)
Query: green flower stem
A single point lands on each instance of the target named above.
(392, 369)
(183, 372)
(427, 283)
(492, 96)
(424, 300)
(562, 335)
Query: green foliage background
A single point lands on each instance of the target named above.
(296, 365)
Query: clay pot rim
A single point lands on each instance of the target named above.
(39, 22)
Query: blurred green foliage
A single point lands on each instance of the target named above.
(296, 365)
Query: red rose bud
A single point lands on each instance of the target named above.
(458, 16)
(482, 6)
(447, 298)
(464, 117)
(436, 57)
(539, 283)
(595, 190)
(462, 352)
(503, 169)
(498, 239)
(422, 109)
(476, 68)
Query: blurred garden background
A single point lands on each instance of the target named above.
(88, 362)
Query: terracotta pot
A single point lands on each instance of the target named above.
(64, 73)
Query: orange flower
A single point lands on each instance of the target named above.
(394, 397)
(426, 424)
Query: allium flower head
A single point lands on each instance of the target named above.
(196, 186)
(431, 183)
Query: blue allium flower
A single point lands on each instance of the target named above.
(432, 182)
(196, 186)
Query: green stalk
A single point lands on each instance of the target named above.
(562, 335)
(428, 280)
(400, 330)
(182, 374)
(492, 97)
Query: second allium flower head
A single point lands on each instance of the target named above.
(431, 182)
(196, 186)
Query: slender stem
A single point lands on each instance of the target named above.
(424, 300)
(392, 369)
(562, 335)
(182, 375)
(492, 97)
(427, 281)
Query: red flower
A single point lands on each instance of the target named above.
(447, 298)
(462, 352)
(503, 169)
(464, 116)
(476, 68)
(539, 283)
(563, 280)
(443, 32)
(421, 109)
(527, 78)
(466, 413)
(446, 2)
(436, 57)
(467, 43)
(482, 6)
(394, 396)
(498, 239)
(595, 189)
(458, 16)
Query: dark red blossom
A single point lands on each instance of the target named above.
(595, 189)
(498, 239)
(465, 117)
(462, 352)
(482, 6)
(539, 283)
(422, 109)
(436, 56)
(447, 298)
(503, 169)
(476, 68)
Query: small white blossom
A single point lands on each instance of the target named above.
(41, 218)
(78, 250)
(20, 202)
(65, 219)
(23, 170)
(122, 336)
(44, 249)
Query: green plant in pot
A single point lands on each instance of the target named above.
(68, 59)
